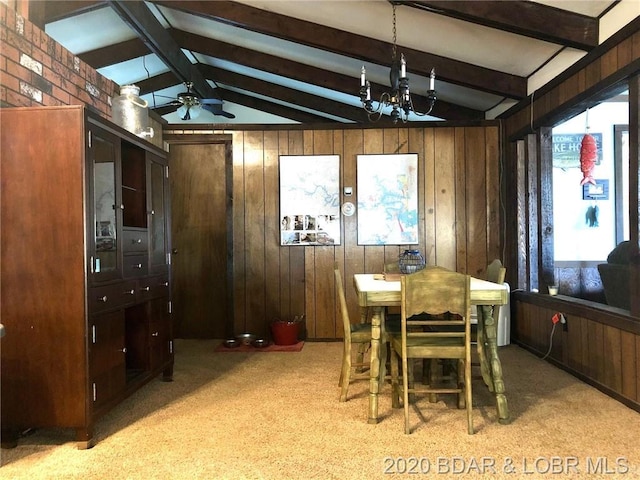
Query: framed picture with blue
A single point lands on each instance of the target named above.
(387, 199)
(309, 200)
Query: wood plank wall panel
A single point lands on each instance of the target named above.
(271, 281)
(605, 356)
(239, 293)
(254, 239)
(476, 205)
(445, 214)
(494, 202)
(271, 229)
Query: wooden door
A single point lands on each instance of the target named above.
(199, 230)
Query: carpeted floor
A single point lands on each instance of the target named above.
(277, 416)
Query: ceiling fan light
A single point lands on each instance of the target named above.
(189, 112)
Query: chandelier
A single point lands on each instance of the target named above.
(399, 98)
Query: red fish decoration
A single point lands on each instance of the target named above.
(588, 155)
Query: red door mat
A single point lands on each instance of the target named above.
(272, 347)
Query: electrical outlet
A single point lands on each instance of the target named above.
(563, 321)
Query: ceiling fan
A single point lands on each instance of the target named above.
(189, 105)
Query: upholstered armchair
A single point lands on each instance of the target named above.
(615, 275)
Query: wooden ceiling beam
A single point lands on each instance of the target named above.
(166, 80)
(309, 74)
(273, 108)
(284, 94)
(352, 45)
(530, 19)
(130, 49)
(140, 19)
(60, 9)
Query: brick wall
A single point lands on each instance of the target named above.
(35, 70)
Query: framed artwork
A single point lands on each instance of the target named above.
(388, 199)
(599, 191)
(309, 200)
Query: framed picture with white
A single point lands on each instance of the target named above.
(309, 200)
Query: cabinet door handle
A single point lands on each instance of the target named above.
(137, 265)
(136, 240)
(129, 292)
(122, 206)
(145, 289)
(166, 284)
(102, 299)
(123, 350)
(155, 334)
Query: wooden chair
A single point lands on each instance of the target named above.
(433, 291)
(359, 334)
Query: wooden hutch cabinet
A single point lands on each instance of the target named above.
(85, 268)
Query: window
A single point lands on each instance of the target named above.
(590, 213)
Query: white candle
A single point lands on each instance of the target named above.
(403, 67)
(362, 76)
(368, 90)
(432, 81)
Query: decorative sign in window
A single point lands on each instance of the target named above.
(566, 149)
(309, 200)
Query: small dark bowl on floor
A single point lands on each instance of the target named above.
(231, 343)
(260, 343)
(246, 338)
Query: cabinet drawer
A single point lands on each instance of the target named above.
(135, 265)
(135, 241)
(153, 287)
(111, 296)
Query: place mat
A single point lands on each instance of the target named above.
(269, 348)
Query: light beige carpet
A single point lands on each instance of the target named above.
(277, 416)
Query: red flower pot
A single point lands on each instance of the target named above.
(285, 333)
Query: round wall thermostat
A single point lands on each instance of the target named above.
(348, 209)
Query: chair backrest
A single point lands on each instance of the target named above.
(435, 291)
(344, 312)
(496, 272)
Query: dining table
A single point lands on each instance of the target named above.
(376, 292)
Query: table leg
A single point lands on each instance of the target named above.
(376, 369)
(491, 337)
(482, 353)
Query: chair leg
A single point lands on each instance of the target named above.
(468, 395)
(405, 393)
(345, 374)
(433, 378)
(362, 348)
(395, 390)
(461, 372)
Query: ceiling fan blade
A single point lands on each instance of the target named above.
(217, 110)
(211, 101)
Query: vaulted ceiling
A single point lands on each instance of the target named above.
(300, 61)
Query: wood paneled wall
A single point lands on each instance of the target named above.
(459, 217)
(602, 349)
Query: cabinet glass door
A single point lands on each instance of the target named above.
(158, 216)
(106, 205)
